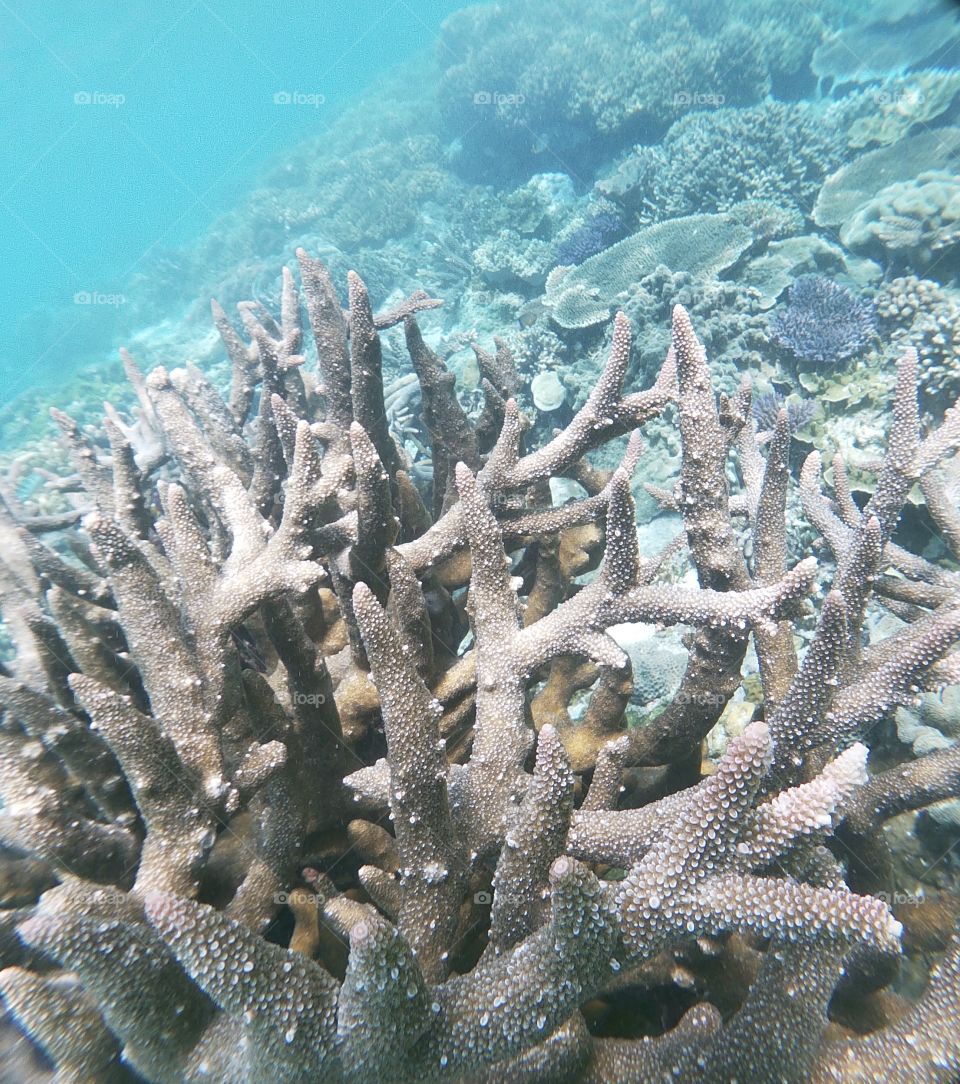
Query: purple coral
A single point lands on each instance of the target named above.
(766, 406)
(823, 321)
(592, 237)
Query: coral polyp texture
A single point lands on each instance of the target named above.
(309, 774)
(823, 321)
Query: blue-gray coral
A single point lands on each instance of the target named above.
(277, 819)
(592, 237)
(511, 96)
(766, 407)
(823, 321)
(780, 152)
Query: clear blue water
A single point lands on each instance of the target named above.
(132, 130)
(129, 127)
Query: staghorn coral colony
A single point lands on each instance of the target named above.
(381, 706)
(293, 784)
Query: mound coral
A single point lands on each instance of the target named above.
(915, 222)
(823, 321)
(272, 816)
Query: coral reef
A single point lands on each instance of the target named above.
(474, 170)
(778, 152)
(291, 787)
(511, 97)
(854, 184)
(920, 313)
(914, 222)
(699, 244)
(823, 321)
(904, 103)
(892, 37)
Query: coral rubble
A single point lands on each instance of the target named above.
(292, 788)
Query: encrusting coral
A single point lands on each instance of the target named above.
(276, 816)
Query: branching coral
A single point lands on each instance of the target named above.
(823, 321)
(776, 152)
(508, 95)
(277, 818)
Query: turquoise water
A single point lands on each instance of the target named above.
(156, 154)
(129, 128)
